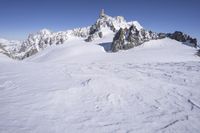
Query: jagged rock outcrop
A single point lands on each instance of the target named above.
(198, 52)
(162, 35)
(40, 41)
(129, 38)
(181, 37)
(118, 41)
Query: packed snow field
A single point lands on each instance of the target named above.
(78, 87)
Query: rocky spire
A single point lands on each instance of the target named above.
(102, 13)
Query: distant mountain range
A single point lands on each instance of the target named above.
(126, 35)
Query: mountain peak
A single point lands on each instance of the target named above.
(44, 31)
(102, 13)
(106, 24)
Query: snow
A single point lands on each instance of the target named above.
(78, 87)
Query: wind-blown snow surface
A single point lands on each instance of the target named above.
(78, 87)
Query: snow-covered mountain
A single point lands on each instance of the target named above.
(39, 41)
(107, 25)
(44, 38)
(125, 35)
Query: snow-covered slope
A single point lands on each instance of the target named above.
(78, 87)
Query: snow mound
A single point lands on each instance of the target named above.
(76, 48)
(162, 50)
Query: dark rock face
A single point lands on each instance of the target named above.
(89, 39)
(198, 52)
(93, 29)
(29, 53)
(181, 37)
(118, 41)
(162, 35)
(100, 34)
(129, 38)
(133, 36)
(193, 41)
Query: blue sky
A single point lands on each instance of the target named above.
(18, 18)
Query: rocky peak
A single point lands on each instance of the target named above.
(133, 30)
(129, 38)
(102, 14)
(107, 24)
(181, 37)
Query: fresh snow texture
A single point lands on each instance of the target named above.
(77, 87)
